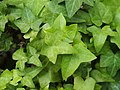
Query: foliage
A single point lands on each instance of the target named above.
(59, 45)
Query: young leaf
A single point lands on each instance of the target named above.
(27, 81)
(35, 60)
(19, 55)
(71, 62)
(60, 48)
(115, 39)
(100, 36)
(80, 84)
(5, 78)
(72, 6)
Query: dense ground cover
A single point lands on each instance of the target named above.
(60, 45)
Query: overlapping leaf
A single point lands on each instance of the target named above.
(100, 35)
(112, 61)
(71, 62)
(57, 39)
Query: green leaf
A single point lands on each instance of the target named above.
(16, 77)
(3, 21)
(33, 71)
(89, 2)
(58, 48)
(35, 60)
(19, 55)
(52, 11)
(100, 36)
(44, 79)
(28, 21)
(72, 6)
(115, 86)
(35, 5)
(80, 84)
(27, 81)
(5, 78)
(100, 13)
(5, 41)
(60, 31)
(71, 62)
(101, 76)
(115, 39)
(21, 64)
(111, 61)
(20, 89)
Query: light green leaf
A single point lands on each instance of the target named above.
(20, 89)
(3, 21)
(101, 76)
(71, 62)
(5, 78)
(115, 39)
(33, 71)
(112, 61)
(21, 64)
(80, 84)
(35, 5)
(14, 14)
(89, 2)
(27, 81)
(36, 24)
(59, 48)
(23, 26)
(31, 34)
(72, 6)
(44, 79)
(16, 77)
(19, 55)
(100, 36)
(35, 60)
(59, 31)
(27, 21)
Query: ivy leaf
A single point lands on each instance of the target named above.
(35, 60)
(80, 84)
(99, 13)
(5, 78)
(27, 81)
(112, 61)
(89, 2)
(100, 36)
(58, 48)
(60, 31)
(35, 5)
(52, 11)
(71, 62)
(16, 77)
(44, 79)
(28, 21)
(3, 21)
(32, 71)
(21, 57)
(101, 76)
(72, 6)
(114, 39)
